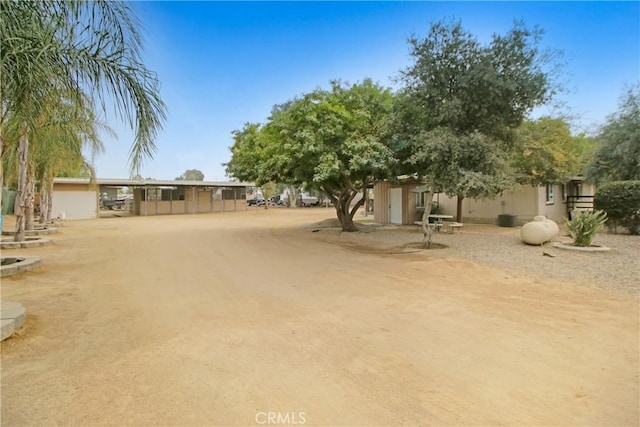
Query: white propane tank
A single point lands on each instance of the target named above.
(539, 231)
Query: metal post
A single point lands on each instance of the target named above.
(97, 202)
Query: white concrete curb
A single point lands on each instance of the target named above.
(28, 263)
(31, 242)
(13, 316)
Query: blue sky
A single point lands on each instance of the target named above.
(223, 64)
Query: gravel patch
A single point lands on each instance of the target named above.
(617, 269)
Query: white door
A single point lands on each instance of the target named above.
(395, 206)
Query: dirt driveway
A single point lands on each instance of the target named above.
(248, 319)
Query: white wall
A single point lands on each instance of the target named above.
(75, 204)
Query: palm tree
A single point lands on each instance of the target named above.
(56, 142)
(59, 145)
(77, 47)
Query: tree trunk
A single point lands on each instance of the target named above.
(1, 157)
(21, 193)
(356, 206)
(345, 218)
(427, 232)
(49, 199)
(459, 208)
(346, 221)
(44, 203)
(366, 198)
(1, 170)
(44, 197)
(293, 197)
(30, 199)
(342, 204)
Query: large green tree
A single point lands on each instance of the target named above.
(617, 157)
(461, 103)
(75, 47)
(334, 141)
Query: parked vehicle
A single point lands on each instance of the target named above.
(113, 204)
(257, 201)
(307, 200)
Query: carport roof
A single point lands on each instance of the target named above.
(151, 183)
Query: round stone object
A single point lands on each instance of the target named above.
(539, 231)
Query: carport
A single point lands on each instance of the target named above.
(79, 198)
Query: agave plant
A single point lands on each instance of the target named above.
(583, 226)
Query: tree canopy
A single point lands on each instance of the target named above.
(334, 141)
(90, 47)
(191, 175)
(461, 103)
(617, 157)
(247, 154)
(548, 153)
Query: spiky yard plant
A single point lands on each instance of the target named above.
(583, 226)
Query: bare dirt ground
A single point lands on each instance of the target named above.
(219, 319)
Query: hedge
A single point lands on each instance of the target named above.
(621, 201)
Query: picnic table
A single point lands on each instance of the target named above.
(439, 220)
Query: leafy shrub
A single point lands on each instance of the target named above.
(583, 226)
(621, 201)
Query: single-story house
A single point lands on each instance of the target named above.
(79, 198)
(404, 203)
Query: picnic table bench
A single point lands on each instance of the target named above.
(440, 223)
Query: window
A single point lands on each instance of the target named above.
(240, 194)
(228, 194)
(166, 194)
(420, 200)
(564, 193)
(149, 194)
(549, 191)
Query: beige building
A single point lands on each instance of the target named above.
(80, 198)
(404, 203)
